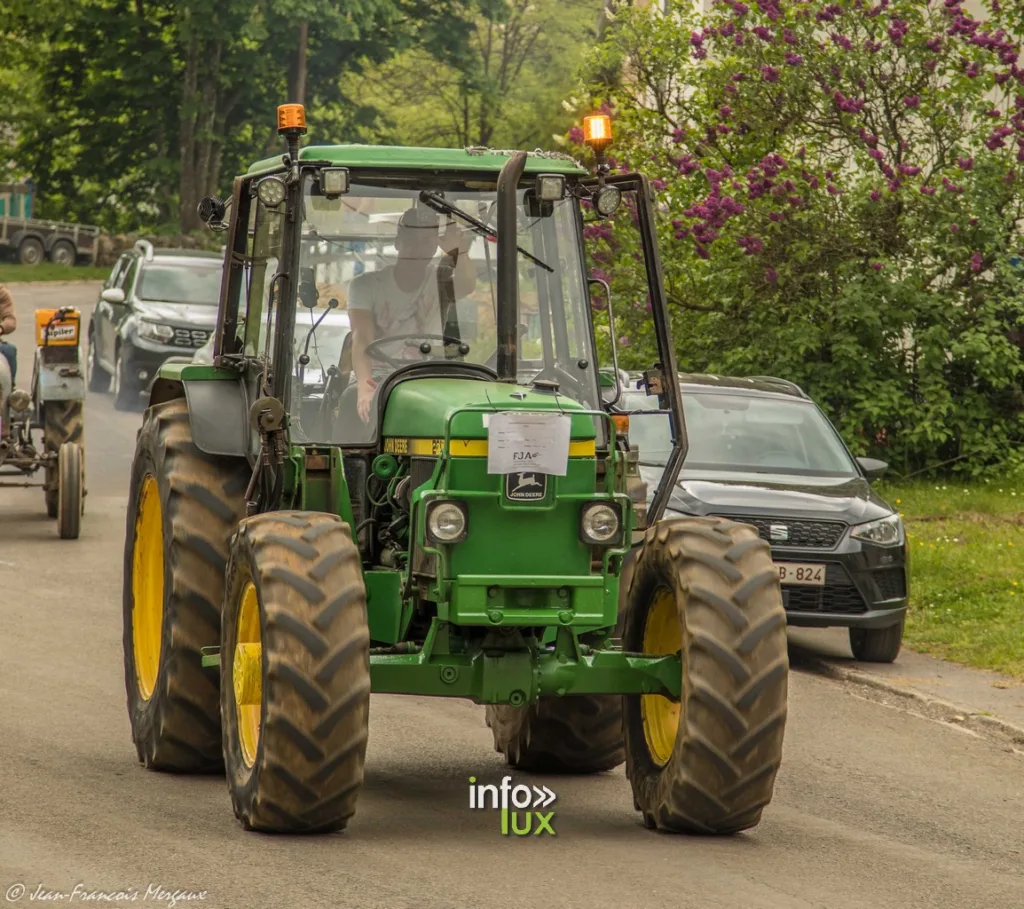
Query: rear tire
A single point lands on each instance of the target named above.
(877, 645)
(296, 722)
(573, 734)
(96, 377)
(126, 392)
(31, 251)
(198, 500)
(70, 491)
(63, 252)
(708, 589)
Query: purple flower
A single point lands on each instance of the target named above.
(763, 33)
(876, 195)
(771, 276)
(788, 36)
(658, 184)
(678, 134)
(769, 73)
(971, 70)
(877, 266)
(794, 59)
(598, 275)
(876, 154)
(965, 163)
(913, 101)
(976, 261)
(951, 187)
(834, 190)
(725, 112)
(928, 190)
(752, 246)
(909, 170)
(930, 65)
(696, 39)
(954, 228)
(934, 44)
(776, 217)
(842, 41)
(576, 135)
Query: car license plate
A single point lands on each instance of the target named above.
(808, 575)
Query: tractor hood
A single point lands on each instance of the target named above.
(420, 408)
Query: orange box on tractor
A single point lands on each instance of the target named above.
(61, 333)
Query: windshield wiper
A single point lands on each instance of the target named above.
(444, 207)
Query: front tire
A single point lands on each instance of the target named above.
(63, 421)
(70, 490)
(183, 507)
(877, 645)
(295, 673)
(126, 391)
(96, 378)
(707, 589)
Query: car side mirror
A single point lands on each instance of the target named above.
(113, 295)
(872, 467)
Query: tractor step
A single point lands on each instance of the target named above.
(210, 657)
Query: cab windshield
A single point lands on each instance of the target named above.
(415, 283)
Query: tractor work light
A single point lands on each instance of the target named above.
(291, 118)
(446, 522)
(19, 400)
(334, 181)
(550, 187)
(271, 191)
(600, 524)
(607, 200)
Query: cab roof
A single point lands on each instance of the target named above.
(405, 157)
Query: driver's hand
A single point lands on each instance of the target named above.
(364, 398)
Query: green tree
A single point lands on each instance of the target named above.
(839, 199)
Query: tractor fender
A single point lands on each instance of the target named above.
(218, 412)
(26, 233)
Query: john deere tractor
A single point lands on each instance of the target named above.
(434, 502)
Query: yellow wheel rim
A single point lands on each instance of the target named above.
(247, 674)
(148, 587)
(660, 715)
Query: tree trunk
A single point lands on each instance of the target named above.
(297, 77)
(199, 156)
(187, 215)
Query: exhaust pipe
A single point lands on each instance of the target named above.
(508, 268)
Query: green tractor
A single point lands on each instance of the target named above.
(436, 503)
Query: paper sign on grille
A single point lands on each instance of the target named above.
(522, 441)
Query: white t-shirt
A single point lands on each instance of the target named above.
(397, 311)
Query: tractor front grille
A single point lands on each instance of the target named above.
(802, 534)
(192, 338)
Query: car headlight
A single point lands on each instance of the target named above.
(446, 522)
(154, 331)
(884, 532)
(600, 524)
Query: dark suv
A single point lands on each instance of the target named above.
(156, 304)
(761, 452)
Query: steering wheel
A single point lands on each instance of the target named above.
(373, 350)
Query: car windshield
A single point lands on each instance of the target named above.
(743, 434)
(181, 283)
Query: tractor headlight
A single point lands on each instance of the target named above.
(446, 522)
(600, 524)
(550, 187)
(271, 191)
(884, 532)
(607, 200)
(154, 331)
(19, 400)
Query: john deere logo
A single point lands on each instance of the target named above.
(779, 533)
(525, 487)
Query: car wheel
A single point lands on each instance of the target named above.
(96, 377)
(126, 392)
(876, 645)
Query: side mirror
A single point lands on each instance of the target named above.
(872, 467)
(113, 295)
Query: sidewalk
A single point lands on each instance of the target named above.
(973, 692)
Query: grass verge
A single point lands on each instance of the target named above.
(47, 271)
(966, 570)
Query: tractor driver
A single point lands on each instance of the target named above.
(402, 299)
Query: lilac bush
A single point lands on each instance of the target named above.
(839, 202)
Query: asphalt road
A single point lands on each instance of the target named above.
(875, 808)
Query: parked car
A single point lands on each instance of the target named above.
(156, 304)
(761, 452)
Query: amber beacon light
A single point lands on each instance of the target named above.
(291, 117)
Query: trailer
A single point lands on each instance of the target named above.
(31, 240)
